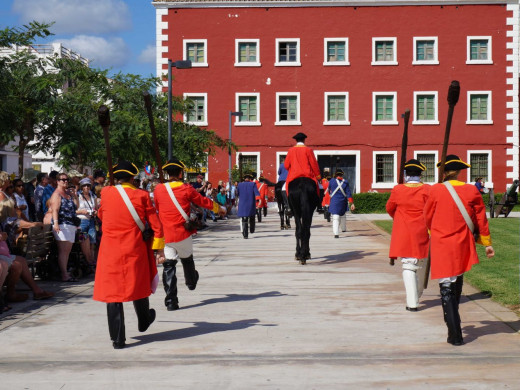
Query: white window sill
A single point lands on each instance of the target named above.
(336, 123)
(479, 62)
(383, 185)
(248, 124)
(428, 122)
(199, 65)
(475, 122)
(287, 64)
(425, 62)
(377, 63)
(247, 64)
(384, 123)
(336, 63)
(288, 123)
(198, 123)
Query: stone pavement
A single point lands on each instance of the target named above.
(259, 320)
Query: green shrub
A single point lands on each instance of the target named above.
(371, 202)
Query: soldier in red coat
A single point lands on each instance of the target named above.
(453, 249)
(261, 204)
(301, 162)
(126, 268)
(410, 238)
(178, 234)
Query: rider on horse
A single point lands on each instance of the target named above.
(301, 162)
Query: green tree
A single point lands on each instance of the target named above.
(24, 35)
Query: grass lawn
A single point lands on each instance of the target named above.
(497, 277)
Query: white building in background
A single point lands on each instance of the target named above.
(39, 161)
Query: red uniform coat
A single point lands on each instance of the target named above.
(301, 162)
(262, 199)
(171, 218)
(410, 236)
(453, 249)
(326, 195)
(126, 264)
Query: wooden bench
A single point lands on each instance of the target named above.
(36, 246)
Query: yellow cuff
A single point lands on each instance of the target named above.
(216, 207)
(158, 243)
(484, 240)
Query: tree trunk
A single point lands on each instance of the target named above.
(26, 134)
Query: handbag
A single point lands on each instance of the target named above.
(472, 228)
(76, 221)
(189, 225)
(146, 231)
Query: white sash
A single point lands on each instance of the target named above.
(131, 207)
(176, 202)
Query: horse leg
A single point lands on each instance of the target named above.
(297, 234)
(281, 210)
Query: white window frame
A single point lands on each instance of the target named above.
(188, 95)
(394, 121)
(377, 39)
(326, 109)
(325, 52)
(436, 158)
(469, 61)
(238, 95)
(257, 154)
(488, 121)
(489, 182)
(237, 53)
(383, 185)
(417, 121)
(287, 123)
(185, 52)
(277, 48)
(435, 61)
(278, 154)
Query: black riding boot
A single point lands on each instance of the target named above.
(245, 226)
(116, 324)
(170, 285)
(145, 315)
(451, 313)
(190, 273)
(458, 288)
(252, 224)
(259, 214)
(265, 211)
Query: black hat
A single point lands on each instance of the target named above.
(99, 173)
(299, 137)
(414, 165)
(124, 169)
(339, 172)
(174, 162)
(248, 175)
(261, 178)
(454, 163)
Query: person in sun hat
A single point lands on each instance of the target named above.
(452, 244)
(410, 239)
(340, 197)
(178, 235)
(126, 268)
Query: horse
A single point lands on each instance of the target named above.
(304, 199)
(285, 219)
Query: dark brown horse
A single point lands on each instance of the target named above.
(283, 209)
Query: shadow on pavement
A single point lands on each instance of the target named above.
(343, 257)
(236, 297)
(484, 328)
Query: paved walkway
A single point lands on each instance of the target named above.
(259, 320)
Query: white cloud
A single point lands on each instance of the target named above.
(148, 55)
(77, 16)
(104, 53)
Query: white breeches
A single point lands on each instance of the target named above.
(179, 250)
(414, 272)
(337, 222)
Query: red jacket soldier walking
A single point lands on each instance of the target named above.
(410, 238)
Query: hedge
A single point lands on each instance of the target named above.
(371, 202)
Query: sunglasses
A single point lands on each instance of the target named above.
(63, 179)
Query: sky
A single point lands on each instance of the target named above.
(118, 35)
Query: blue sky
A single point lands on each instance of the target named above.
(114, 34)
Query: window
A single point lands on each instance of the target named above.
(384, 51)
(288, 52)
(425, 108)
(479, 107)
(480, 161)
(336, 108)
(429, 159)
(384, 108)
(249, 162)
(247, 52)
(195, 50)
(425, 51)
(336, 51)
(287, 108)
(249, 105)
(198, 113)
(479, 50)
(384, 169)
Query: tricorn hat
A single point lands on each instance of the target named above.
(173, 162)
(414, 165)
(248, 174)
(454, 163)
(125, 169)
(339, 172)
(299, 137)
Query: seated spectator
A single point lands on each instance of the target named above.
(223, 201)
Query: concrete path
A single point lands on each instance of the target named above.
(259, 320)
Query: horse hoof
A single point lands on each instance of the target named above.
(303, 261)
(282, 227)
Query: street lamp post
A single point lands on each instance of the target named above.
(178, 65)
(231, 115)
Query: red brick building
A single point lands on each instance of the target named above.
(343, 72)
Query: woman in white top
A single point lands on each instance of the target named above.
(87, 213)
